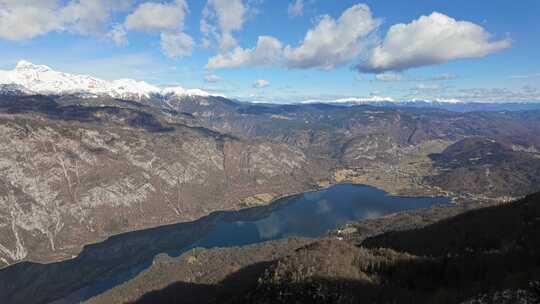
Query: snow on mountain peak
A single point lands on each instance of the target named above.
(42, 79)
(26, 65)
(372, 98)
(355, 100)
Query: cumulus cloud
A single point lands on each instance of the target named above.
(118, 35)
(27, 19)
(261, 83)
(167, 19)
(332, 42)
(220, 19)
(432, 39)
(212, 78)
(22, 22)
(176, 45)
(91, 17)
(152, 16)
(267, 52)
(296, 8)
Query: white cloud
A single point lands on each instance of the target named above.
(333, 42)
(422, 87)
(401, 77)
(152, 16)
(21, 21)
(176, 45)
(167, 19)
(261, 83)
(440, 77)
(213, 78)
(524, 76)
(118, 35)
(432, 39)
(330, 43)
(524, 94)
(296, 8)
(484, 95)
(91, 17)
(389, 77)
(229, 15)
(267, 52)
(27, 19)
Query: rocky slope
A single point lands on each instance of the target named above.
(76, 170)
(481, 165)
(72, 175)
(393, 148)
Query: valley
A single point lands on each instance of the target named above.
(76, 171)
(80, 170)
(269, 152)
(307, 216)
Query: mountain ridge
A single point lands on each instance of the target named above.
(28, 78)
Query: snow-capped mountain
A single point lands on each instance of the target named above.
(370, 99)
(354, 100)
(29, 78)
(382, 100)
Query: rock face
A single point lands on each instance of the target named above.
(395, 149)
(76, 170)
(66, 181)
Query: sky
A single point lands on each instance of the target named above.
(289, 50)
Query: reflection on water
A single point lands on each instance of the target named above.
(105, 265)
(312, 214)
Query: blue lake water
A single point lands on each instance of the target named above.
(313, 214)
(124, 256)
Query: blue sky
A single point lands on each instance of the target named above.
(467, 50)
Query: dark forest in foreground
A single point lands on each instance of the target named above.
(488, 255)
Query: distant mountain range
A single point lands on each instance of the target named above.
(437, 103)
(31, 79)
(28, 78)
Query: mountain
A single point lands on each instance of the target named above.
(481, 165)
(374, 99)
(77, 170)
(28, 78)
(436, 103)
(74, 171)
(41, 79)
(79, 167)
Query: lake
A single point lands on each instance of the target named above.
(313, 214)
(104, 265)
